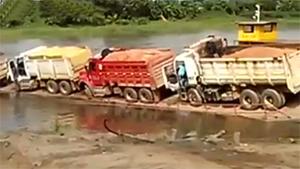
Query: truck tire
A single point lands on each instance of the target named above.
(283, 98)
(194, 97)
(146, 95)
(249, 99)
(52, 86)
(272, 99)
(88, 92)
(65, 87)
(130, 94)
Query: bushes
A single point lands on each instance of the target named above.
(152, 10)
(16, 12)
(65, 12)
(101, 12)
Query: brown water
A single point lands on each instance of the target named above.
(174, 41)
(35, 113)
(23, 111)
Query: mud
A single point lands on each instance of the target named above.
(86, 150)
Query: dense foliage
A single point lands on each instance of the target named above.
(16, 12)
(101, 12)
(63, 12)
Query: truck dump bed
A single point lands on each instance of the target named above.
(253, 68)
(3, 68)
(137, 67)
(57, 62)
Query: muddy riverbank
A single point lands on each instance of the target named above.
(86, 150)
(57, 132)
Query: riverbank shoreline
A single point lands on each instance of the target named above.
(287, 113)
(131, 30)
(79, 149)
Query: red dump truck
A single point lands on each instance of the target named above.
(135, 74)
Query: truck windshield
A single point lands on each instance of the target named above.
(21, 67)
(92, 66)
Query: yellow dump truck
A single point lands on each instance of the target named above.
(3, 71)
(56, 68)
(257, 76)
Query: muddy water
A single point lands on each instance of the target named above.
(36, 113)
(176, 42)
(33, 112)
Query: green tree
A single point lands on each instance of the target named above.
(268, 5)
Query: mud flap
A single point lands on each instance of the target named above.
(157, 96)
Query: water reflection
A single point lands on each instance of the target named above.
(31, 112)
(18, 111)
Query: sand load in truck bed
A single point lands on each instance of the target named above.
(77, 55)
(150, 56)
(56, 62)
(261, 51)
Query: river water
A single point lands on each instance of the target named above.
(176, 42)
(38, 113)
(24, 111)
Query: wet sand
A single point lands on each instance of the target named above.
(85, 150)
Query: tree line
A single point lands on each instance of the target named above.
(103, 12)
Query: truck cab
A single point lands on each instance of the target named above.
(90, 75)
(186, 65)
(185, 62)
(18, 71)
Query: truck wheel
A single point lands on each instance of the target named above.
(88, 92)
(146, 95)
(249, 99)
(130, 94)
(194, 97)
(65, 87)
(52, 86)
(283, 98)
(272, 99)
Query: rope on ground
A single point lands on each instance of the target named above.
(125, 135)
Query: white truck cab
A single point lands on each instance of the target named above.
(17, 67)
(19, 71)
(188, 60)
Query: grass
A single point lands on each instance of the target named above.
(215, 21)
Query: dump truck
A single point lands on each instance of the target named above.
(255, 75)
(56, 68)
(3, 71)
(135, 74)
